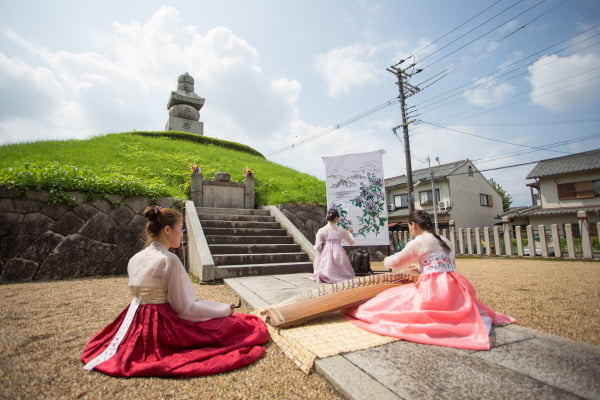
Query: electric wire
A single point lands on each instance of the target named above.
(524, 59)
(489, 138)
(473, 29)
(456, 28)
(469, 114)
(483, 35)
(395, 100)
(496, 74)
(539, 123)
(468, 59)
(337, 126)
(543, 147)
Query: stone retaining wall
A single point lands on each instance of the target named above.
(308, 219)
(41, 241)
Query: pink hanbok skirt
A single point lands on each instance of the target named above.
(160, 343)
(440, 308)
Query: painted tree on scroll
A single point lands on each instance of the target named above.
(371, 201)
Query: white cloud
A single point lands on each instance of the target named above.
(124, 84)
(564, 83)
(346, 68)
(488, 91)
(357, 65)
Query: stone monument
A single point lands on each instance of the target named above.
(184, 107)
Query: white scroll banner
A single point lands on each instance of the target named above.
(356, 189)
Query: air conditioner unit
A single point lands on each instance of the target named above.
(444, 204)
(390, 207)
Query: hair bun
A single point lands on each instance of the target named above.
(152, 213)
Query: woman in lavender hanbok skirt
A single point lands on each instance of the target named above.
(331, 263)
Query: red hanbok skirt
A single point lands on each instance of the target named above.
(160, 343)
(440, 308)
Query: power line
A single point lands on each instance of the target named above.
(495, 74)
(484, 34)
(538, 123)
(500, 69)
(454, 29)
(494, 169)
(489, 138)
(533, 20)
(466, 33)
(436, 40)
(446, 72)
(527, 93)
(544, 147)
(338, 126)
(395, 101)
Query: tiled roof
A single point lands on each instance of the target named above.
(563, 210)
(518, 211)
(585, 161)
(439, 171)
(538, 211)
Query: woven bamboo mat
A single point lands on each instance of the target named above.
(322, 337)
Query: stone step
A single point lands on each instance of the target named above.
(232, 271)
(254, 248)
(232, 211)
(232, 217)
(228, 239)
(239, 224)
(267, 258)
(244, 232)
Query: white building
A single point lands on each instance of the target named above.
(462, 194)
(562, 187)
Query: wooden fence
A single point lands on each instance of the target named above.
(554, 241)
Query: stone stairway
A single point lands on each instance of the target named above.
(248, 242)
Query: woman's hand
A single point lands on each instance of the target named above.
(351, 230)
(233, 306)
(413, 267)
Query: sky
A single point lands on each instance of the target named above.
(504, 83)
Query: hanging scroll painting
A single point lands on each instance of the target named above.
(355, 188)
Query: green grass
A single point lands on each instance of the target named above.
(154, 164)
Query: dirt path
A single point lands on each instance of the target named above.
(46, 325)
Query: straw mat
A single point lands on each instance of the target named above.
(322, 337)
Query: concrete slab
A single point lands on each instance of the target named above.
(559, 362)
(416, 371)
(351, 381)
(522, 364)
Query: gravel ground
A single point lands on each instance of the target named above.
(46, 325)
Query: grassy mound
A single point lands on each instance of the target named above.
(154, 164)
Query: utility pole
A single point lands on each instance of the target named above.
(435, 217)
(406, 90)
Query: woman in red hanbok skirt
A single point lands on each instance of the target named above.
(441, 308)
(331, 263)
(165, 331)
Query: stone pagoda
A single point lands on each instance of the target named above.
(184, 107)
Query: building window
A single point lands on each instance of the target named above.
(597, 188)
(577, 190)
(426, 199)
(401, 201)
(485, 200)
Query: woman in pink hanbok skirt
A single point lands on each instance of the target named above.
(441, 308)
(331, 263)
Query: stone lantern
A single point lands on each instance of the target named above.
(184, 107)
